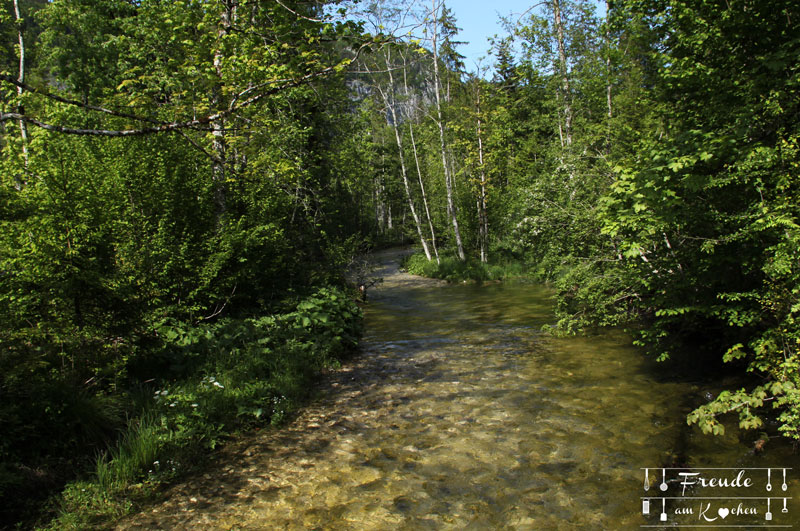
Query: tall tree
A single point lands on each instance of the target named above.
(413, 110)
(23, 127)
(562, 68)
(448, 178)
(388, 96)
(483, 220)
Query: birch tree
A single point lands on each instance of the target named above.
(388, 96)
(565, 93)
(413, 110)
(23, 127)
(483, 221)
(433, 25)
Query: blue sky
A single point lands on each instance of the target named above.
(479, 20)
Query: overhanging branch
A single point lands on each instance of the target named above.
(60, 99)
(160, 127)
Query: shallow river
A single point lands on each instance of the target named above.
(460, 413)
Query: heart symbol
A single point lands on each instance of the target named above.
(723, 512)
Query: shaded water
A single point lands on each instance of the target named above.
(461, 414)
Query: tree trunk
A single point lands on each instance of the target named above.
(424, 196)
(390, 104)
(23, 127)
(562, 69)
(219, 144)
(380, 192)
(608, 77)
(413, 210)
(448, 182)
(419, 170)
(482, 217)
(380, 208)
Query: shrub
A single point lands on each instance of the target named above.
(220, 378)
(451, 269)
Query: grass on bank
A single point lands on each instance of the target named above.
(451, 269)
(224, 377)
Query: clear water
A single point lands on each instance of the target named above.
(460, 413)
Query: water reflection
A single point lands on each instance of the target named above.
(462, 414)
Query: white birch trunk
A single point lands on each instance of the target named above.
(608, 77)
(562, 68)
(23, 127)
(219, 144)
(390, 104)
(419, 171)
(447, 177)
(482, 217)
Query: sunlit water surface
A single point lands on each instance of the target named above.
(460, 413)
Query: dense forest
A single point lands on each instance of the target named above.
(185, 185)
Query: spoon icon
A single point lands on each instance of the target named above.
(663, 485)
(783, 487)
(769, 479)
(646, 480)
(784, 510)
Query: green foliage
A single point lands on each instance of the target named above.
(136, 450)
(702, 220)
(751, 406)
(673, 209)
(213, 380)
(451, 269)
(589, 296)
(86, 505)
(106, 241)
